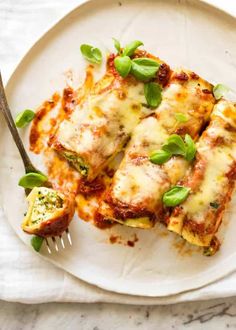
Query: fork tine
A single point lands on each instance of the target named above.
(55, 243)
(62, 242)
(68, 236)
(54, 240)
(48, 247)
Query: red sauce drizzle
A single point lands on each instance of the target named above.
(36, 144)
(131, 243)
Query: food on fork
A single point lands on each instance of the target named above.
(42, 201)
(49, 214)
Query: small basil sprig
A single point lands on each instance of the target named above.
(220, 90)
(92, 54)
(144, 68)
(24, 118)
(31, 180)
(123, 65)
(160, 157)
(131, 48)
(181, 117)
(117, 45)
(123, 62)
(175, 196)
(175, 146)
(36, 242)
(152, 92)
(190, 148)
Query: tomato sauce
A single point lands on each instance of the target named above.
(63, 176)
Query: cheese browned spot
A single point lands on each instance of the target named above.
(138, 184)
(200, 215)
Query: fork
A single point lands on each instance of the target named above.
(29, 167)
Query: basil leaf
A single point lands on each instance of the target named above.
(123, 65)
(117, 45)
(190, 148)
(175, 196)
(181, 117)
(91, 53)
(24, 118)
(36, 242)
(31, 180)
(175, 145)
(174, 149)
(160, 157)
(144, 68)
(131, 47)
(220, 90)
(152, 92)
(176, 139)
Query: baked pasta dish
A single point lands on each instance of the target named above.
(144, 144)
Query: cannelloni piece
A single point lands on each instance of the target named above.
(211, 179)
(99, 128)
(49, 214)
(135, 195)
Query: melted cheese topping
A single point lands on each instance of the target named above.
(227, 111)
(217, 147)
(175, 169)
(187, 99)
(218, 163)
(138, 181)
(99, 130)
(219, 160)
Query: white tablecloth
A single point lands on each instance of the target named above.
(24, 277)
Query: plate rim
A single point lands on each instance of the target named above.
(68, 13)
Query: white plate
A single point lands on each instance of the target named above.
(191, 34)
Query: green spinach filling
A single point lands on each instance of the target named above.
(77, 162)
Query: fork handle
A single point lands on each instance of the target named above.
(4, 108)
